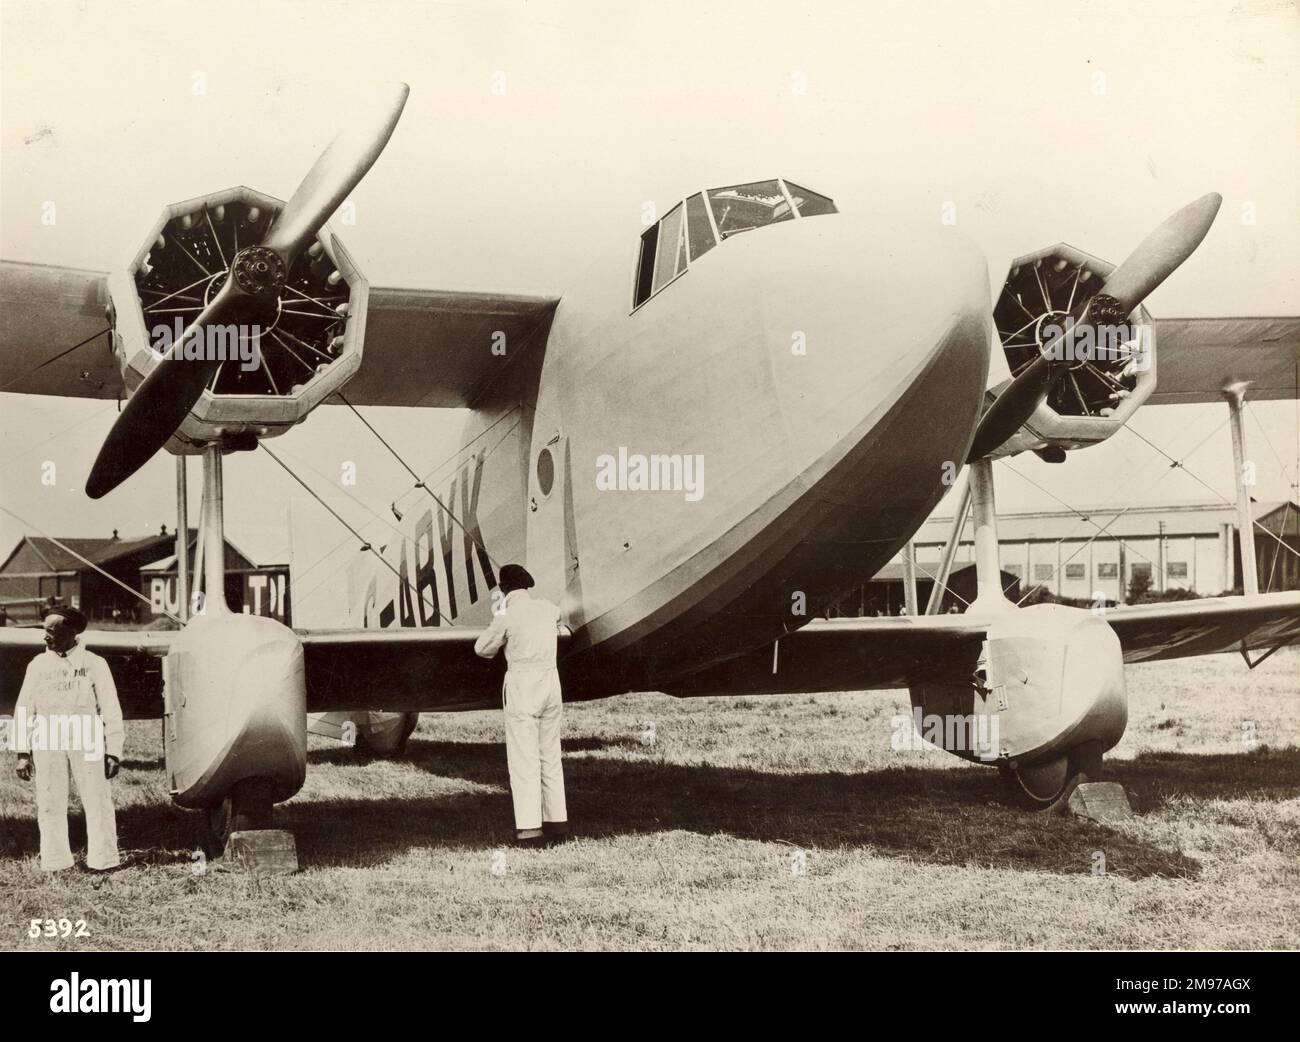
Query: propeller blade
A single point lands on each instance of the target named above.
(161, 402)
(1012, 408)
(1161, 252)
(1154, 260)
(158, 406)
(338, 170)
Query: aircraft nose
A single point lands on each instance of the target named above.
(878, 314)
(835, 364)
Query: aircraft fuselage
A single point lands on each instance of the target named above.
(692, 478)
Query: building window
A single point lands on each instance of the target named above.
(1012, 569)
(1177, 569)
(1043, 572)
(1107, 570)
(1076, 571)
(1141, 569)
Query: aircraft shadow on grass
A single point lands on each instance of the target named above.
(952, 816)
(955, 816)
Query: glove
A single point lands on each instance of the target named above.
(24, 768)
(110, 767)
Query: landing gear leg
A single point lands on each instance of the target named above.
(1047, 786)
(246, 807)
(216, 827)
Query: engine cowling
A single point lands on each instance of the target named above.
(274, 376)
(1112, 370)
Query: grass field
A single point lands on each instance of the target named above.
(698, 841)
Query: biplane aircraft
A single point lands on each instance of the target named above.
(698, 449)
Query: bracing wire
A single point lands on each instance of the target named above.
(419, 482)
(495, 445)
(365, 545)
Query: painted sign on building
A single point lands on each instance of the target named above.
(253, 591)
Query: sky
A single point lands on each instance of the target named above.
(535, 132)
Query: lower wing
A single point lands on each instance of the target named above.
(414, 670)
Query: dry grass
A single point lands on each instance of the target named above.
(691, 844)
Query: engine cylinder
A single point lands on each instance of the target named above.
(1110, 358)
(303, 346)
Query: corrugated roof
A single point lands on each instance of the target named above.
(893, 572)
(100, 551)
(235, 558)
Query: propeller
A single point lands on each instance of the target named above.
(1154, 260)
(248, 295)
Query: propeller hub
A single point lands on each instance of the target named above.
(1105, 310)
(267, 320)
(258, 271)
(1047, 342)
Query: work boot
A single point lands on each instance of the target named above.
(556, 832)
(530, 838)
(87, 870)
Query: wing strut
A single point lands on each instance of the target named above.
(909, 577)
(949, 552)
(1236, 396)
(214, 539)
(182, 541)
(1245, 654)
(989, 597)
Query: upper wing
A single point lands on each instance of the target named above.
(1197, 357)
(422, 347)
(44, 311)
(438, 349)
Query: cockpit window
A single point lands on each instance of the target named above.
(645, 271)
(699, 230)
(690, 229)
(741, 208)
(809, 204)
(671, 261)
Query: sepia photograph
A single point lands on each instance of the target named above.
(548, 475)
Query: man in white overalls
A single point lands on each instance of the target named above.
(529, 629)
(65, 693)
